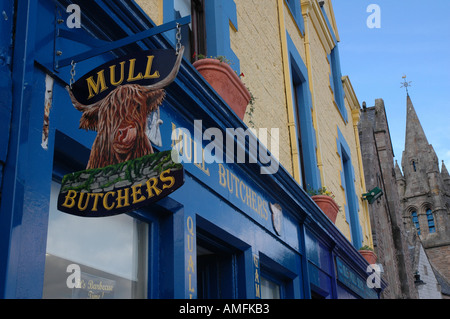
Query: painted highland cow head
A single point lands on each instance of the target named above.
(120, 120)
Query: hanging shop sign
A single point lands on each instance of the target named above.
(120, 101)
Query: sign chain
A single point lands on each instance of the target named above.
(178, 37)
(72, 73)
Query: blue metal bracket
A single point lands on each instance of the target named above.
(101, 46)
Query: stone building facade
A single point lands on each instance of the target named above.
(388, 231)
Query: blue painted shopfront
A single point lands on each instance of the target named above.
(215, 237)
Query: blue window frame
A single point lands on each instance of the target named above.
(276, 281)
(221, 262)
(320, 267)
(430, 219)
(415, 220)
(348, 183)
(336, 81)
(271, 287)
(306, 134)
(336, 74)
(296, 11)
(218, 15)
(217, 268)
(193, 36)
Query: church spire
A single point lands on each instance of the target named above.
(445, 175)
(415, 138)
(398, 172)
(419, 158)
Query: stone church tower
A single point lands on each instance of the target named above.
(424, 193)
(388, 230)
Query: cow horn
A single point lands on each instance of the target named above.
(172, 75)
(76, 104)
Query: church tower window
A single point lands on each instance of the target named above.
(415, 220)
(430, 218)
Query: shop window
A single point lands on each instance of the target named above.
(415, 220)
(319, 267)
(218, 273)
(277, 282)
(106, 256)
(270, 289)
(430, 219)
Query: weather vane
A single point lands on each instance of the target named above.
(405, 84)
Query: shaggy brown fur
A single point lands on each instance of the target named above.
(120, 120)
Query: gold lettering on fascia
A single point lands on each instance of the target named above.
(187, 147)
(243, 192)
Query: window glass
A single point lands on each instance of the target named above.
(430, 219)
(298, 103)
(269, 289)
(217, 272)
(415, 220)
(104, 258)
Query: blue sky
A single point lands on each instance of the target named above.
(413, 40)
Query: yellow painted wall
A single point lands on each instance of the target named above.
(153, 8)
(258, 47)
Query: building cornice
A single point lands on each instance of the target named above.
(311, 9)
(350, 94)
(333, 20)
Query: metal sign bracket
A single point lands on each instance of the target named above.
(101, 46)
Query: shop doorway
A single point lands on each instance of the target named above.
(218, 268)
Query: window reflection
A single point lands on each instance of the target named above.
(269, 289)
(110, 252)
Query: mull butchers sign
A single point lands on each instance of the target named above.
(120, 100)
